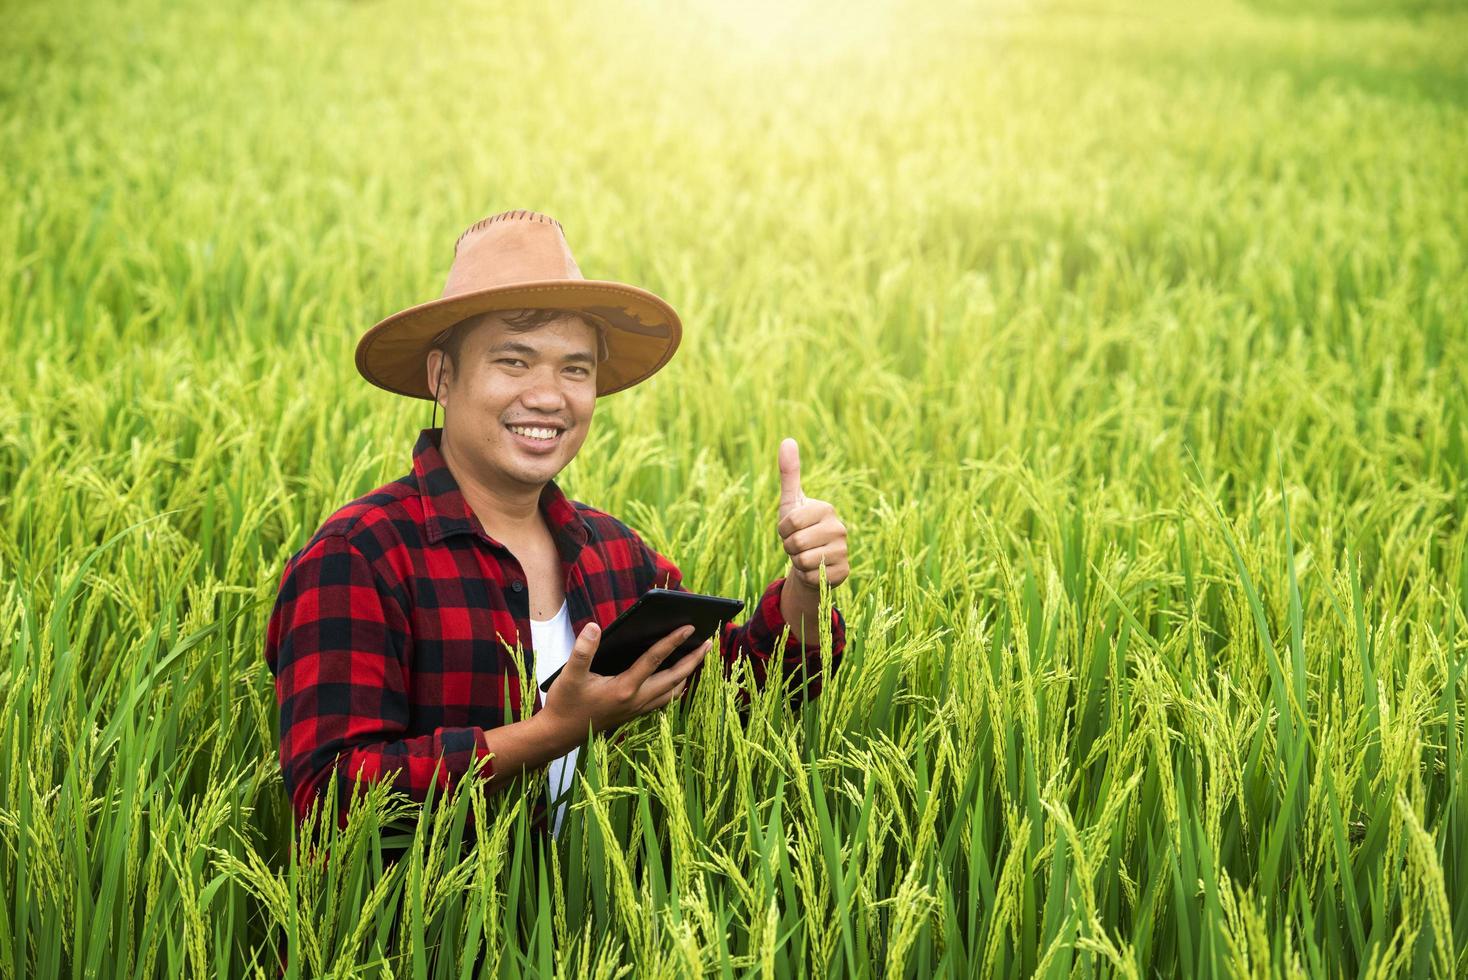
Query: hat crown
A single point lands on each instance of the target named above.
(509, 248)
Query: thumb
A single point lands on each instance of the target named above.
(581, 653)
(790, 493)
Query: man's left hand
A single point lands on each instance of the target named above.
(809, 529)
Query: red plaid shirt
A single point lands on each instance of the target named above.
(393, 638)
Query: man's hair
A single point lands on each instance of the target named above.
(451, 341)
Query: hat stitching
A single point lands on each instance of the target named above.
(519, 215)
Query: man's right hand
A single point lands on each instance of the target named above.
(585, 700)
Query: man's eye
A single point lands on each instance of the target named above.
(511, 360)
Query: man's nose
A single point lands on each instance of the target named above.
(544, 391)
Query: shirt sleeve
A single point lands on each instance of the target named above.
(339, 644)
(758, 640)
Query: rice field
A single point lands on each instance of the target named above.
(1127, 339)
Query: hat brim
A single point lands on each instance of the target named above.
(643, 331)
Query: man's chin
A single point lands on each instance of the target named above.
(539, 472)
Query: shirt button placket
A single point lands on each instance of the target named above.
(519, 602)
(519, 599)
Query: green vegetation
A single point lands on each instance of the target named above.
(1127, 340)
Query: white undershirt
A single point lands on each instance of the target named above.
(552, 640)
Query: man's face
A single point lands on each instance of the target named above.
(543, 378)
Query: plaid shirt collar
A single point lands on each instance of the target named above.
(446, 512)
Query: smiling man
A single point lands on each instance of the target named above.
(403, 626)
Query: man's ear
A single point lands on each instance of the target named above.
(440, 373)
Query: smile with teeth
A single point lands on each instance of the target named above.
(532, 432)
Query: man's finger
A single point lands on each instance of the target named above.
(677, 679)
(644, 666)
(835, 575)
(815, 535)
(809, 513)
(660, 683)
(662, 701)
(790, 493)
(583, 650)
(809, 561)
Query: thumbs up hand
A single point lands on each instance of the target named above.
(809, 529)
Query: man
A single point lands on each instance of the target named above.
(402, 627)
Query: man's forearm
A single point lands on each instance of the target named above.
(528, 744)
(801, 607)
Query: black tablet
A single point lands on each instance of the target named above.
(655, 614)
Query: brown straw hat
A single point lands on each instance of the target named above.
(520, 260)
